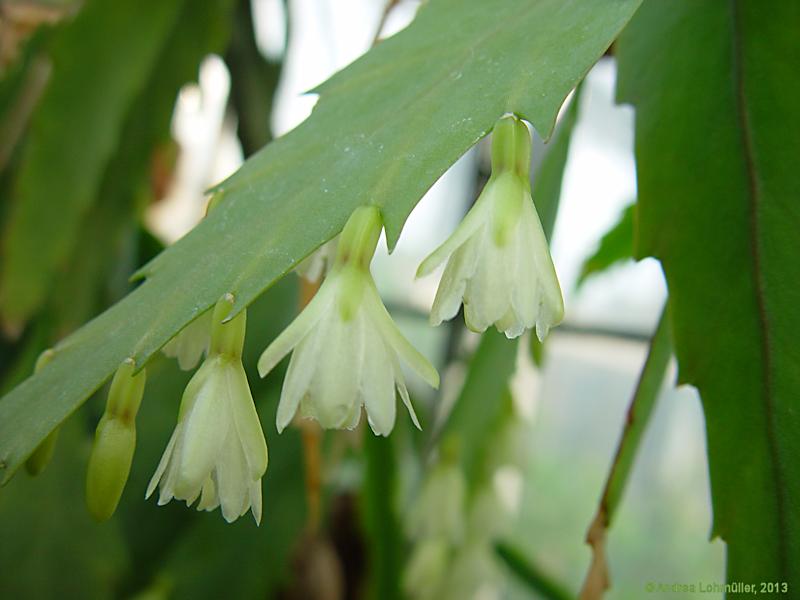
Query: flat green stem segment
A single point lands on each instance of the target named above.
(530, 574)
(715, 86)
(384, 130)
(636, 421)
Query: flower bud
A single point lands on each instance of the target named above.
(114, 442)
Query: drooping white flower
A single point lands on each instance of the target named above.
(347, 349)
(217, 452)
(191, 342)
(499, 264)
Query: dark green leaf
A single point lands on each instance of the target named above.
(715, 86)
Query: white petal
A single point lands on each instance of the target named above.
(551, 301)
(162, 465)
(301, 370)
(473, 220)
(209, 500)
(450, 293)
(403, 390)
(233, 479)
(255, 500)
(381, 320)
(333, 395)
(206, 426)
(377, 384)
(191, 342)
(245, 421)
(487, 297)
(525, 295)
(298, 329)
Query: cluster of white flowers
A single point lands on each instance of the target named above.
(347, 352)
(454, 531)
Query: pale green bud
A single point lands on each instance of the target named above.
(360, 237)
(227, 338)
(114, 442)
(511, 147)
(41, 457)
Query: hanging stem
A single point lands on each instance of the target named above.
(638, 416)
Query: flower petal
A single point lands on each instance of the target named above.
(255, 500)
(209, 500)
(403, 391)
(382, 321)
(473, 220)
(551, 300)
(191, 342)
(333, 395)
(245, 421)
(233, 479)
(162, 465)
(298, 329)
(450, 293)
(377, 385)
(487, 297)
(206, 426)
(301, 370)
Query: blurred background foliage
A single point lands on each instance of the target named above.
(106, 149)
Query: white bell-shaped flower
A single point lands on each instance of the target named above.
(499, 263)
(347, 349)
(217, 451)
